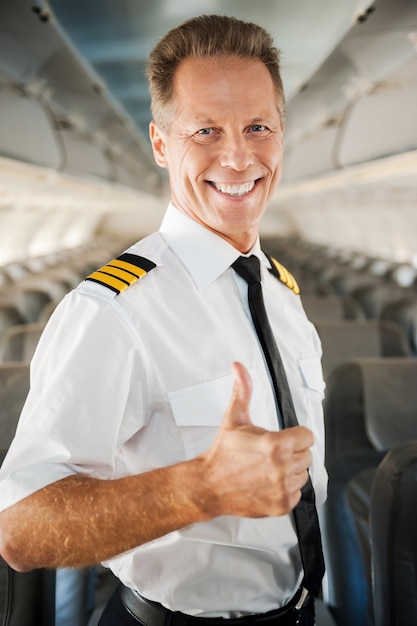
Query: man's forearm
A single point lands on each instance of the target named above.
(79, 521)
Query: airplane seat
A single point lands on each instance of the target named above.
(28, 598)
(393, 523)
(31, 302)
(46, 312)
(403, 274)
(345, 339)
(369, 407)
(348, 451)
(393, 339)
(404, 313)
(53, 288)
(5, 279)
(19, 342)
(308, 286)
(324, 274)
(32, 297)
(311, 277)
(391, 411)
(9, 316)
(351, 309)
(14, 387)
(346, 280)
(15, 270)
(373, 297)
(66, 276)
(330, 307)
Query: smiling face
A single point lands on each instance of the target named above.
(223, 149)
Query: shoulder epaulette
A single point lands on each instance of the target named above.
(122, 272)
(283, 275)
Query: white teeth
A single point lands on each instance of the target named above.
(235, 190)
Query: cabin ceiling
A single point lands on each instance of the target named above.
(72, 78)
(116, 37)
(82, 64)
(75, 110)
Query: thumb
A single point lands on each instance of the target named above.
(238, 410)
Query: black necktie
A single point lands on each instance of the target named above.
(305, 513)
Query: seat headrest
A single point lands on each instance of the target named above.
(390, 399)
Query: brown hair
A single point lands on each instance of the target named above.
(205, 36)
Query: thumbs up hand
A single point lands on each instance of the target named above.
(250, 471)
(237, 413)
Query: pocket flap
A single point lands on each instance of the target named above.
(312, 373)
(204, 404)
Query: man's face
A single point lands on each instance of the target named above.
(223, 149)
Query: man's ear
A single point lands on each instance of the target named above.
(158, 145)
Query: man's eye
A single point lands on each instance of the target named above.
(205, 131)
(257, 128)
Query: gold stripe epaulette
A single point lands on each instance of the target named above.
(284, 276)
(122, 272)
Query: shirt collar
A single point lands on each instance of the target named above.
(205, 255)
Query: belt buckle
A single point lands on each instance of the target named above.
(300, 603)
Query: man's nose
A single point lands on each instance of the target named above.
(236, 153)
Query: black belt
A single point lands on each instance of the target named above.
(154, 614)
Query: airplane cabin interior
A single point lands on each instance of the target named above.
(78, 185)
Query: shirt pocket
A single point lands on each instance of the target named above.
(199, 409)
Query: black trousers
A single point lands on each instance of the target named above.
(116, 614)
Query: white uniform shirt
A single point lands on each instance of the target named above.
(122, 384)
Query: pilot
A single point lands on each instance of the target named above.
(174, 426)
